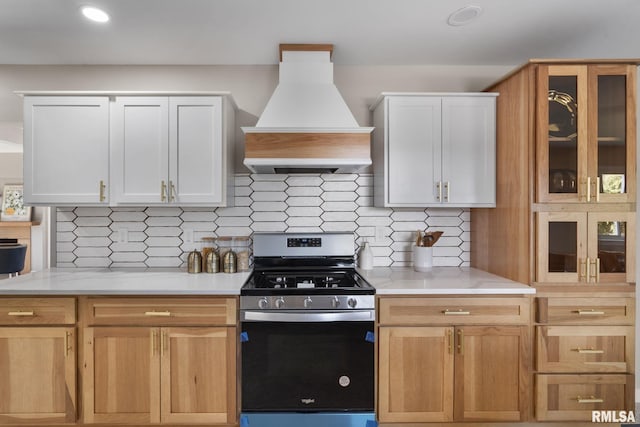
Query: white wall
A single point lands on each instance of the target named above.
(251, 86)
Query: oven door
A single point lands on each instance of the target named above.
(305, 366)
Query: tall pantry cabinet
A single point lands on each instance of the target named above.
(565, 223)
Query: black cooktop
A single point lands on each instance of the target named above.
(311, 282)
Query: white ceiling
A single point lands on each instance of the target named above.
(367, 32)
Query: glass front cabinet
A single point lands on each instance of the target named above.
(586, 247)
(586, 133)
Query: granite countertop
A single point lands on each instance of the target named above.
(102, 281)
(441, 281)
(387, 281)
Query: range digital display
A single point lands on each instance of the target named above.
(304, 242)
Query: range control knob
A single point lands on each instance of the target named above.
(351, 302)
(335, 302)
(263, 303)
(280, 302)
(307, 302)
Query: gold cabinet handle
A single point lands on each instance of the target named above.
(597, 189)
(450, 341)
(154, 342)
(589, 312)
(102, 188)
(164, 343)
(158, 313)
(21, 313)
(163, 191)
(458, 312)
(588, 351)
(594, 270)
(590, 399)
(588, 189)
(68, 346)
(460, 341)
(446, 191)
(172, 191)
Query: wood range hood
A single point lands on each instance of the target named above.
(306, 126)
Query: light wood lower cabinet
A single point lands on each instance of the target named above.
(37, 360)
(160, 372)
(584, 354)
(159, 375)
(464, 371)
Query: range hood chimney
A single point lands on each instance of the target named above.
(306, 126)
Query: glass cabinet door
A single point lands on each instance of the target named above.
(612, 132)
(611, 247)
(562, 247)
(586, 133)
(561, 133)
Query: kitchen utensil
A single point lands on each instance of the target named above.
(430, 238)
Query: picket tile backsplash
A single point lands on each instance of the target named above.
(158, 236)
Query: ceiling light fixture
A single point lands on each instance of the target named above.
(94, 14)
(464, 16)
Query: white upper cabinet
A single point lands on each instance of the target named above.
(123, 149)
(434, 150)
(66, 150)
(169, 150)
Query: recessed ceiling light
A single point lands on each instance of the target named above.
(464, 16)
(95, 14)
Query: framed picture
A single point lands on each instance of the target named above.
(13, 208)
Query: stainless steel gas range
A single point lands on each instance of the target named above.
(307, 340)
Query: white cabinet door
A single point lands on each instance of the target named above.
(413, 151)
(468, 151)
(140, 150)
(195, 150)
(437, 150)
(66, 150)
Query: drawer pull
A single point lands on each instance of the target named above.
(21, 313)
(588, 351)
(590, 312)
(460, 312)
(590, 399)
(158, 313)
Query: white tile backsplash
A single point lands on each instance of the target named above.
(89, 237)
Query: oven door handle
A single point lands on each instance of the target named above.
(317, 316)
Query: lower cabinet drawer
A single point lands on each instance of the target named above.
(574, 397)
(582, 311)
(37, 311)
(145, 311)
(595, 349)
(454, 311)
